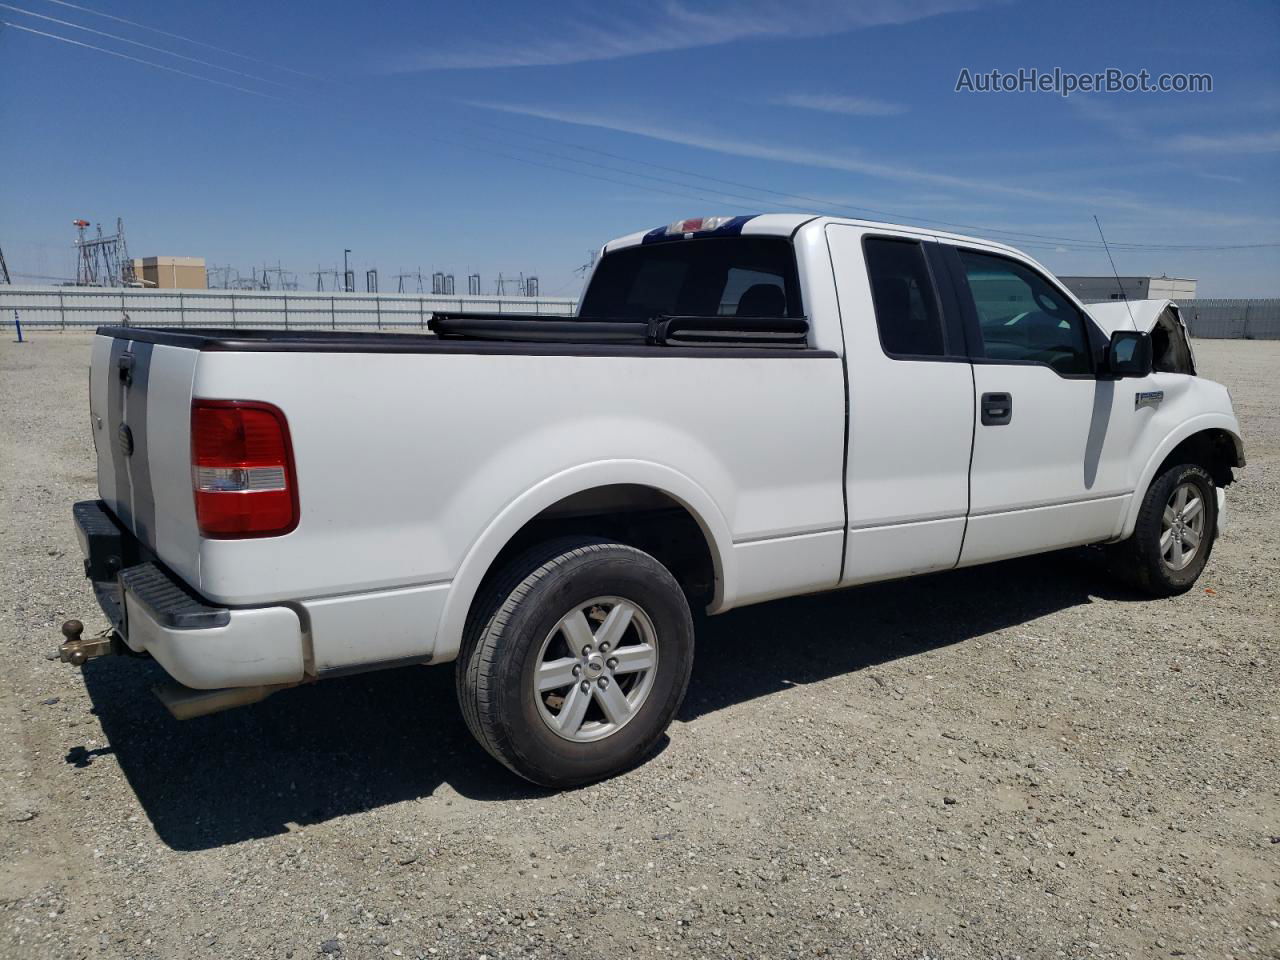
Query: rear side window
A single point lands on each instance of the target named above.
(1023, 318)
(907, 312)
(708, 277)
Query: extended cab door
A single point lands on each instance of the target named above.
(1051, 445)
(911, 410)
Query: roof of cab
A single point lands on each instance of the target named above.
(786, 225)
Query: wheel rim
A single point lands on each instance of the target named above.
(595, 669)
(1182, 528)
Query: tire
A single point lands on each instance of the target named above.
(527, 631)
(1152, 563)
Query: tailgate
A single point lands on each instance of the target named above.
(140, 411)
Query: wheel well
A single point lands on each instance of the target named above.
(639, 516)
(1215, 450)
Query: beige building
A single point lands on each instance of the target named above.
(171, 273)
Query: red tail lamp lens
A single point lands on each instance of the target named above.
(242, 469)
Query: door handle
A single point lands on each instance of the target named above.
(997, 409)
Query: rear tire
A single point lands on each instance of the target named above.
(1174, 536)
(575, 659)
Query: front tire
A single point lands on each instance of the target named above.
(575, 659)
(1176, 529)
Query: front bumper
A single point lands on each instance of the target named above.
(201, 645)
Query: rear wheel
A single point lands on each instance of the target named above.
(1176, 528)
(575, 661)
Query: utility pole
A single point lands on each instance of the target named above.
(347, 280)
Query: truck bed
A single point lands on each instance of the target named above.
(415, 453)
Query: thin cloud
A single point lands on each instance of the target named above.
(635, 29)
(1136, 127)
(1267, 142)
(1221, 177)
(850, 161)
(836, 103)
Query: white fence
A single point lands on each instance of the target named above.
(69, 308)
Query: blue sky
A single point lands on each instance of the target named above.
(517, 137)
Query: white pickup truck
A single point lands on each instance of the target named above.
(743, 408)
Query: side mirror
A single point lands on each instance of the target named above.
(1129, 354)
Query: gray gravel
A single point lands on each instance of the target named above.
(1015, 761)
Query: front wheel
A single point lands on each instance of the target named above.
(575, 661)
(1175, 532)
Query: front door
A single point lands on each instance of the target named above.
(1049, 455)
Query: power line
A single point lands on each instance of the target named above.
(145, 46)
(580, 173)
(149, 63)
(178, 36)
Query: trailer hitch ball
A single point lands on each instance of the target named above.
(72, 651)
(75, 650)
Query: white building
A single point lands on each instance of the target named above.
(1098, 289)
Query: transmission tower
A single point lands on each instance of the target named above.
(402, 277)
(285, 279)
(588, 266)
(102, 260)
(4, 270)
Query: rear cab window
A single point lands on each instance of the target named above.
(908, 318)
(702, 277)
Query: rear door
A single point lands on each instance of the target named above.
(1051, 442)
(911, 412)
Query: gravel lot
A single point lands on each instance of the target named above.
(1020, 760)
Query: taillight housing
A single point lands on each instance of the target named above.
(242, 470)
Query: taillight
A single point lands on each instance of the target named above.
(242, 469)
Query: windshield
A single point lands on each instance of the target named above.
(712, 277)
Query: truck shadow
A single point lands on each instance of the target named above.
(774, 646)
(314, 753)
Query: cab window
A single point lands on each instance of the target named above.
(907, 314)
(1022, 318)
(721, 276)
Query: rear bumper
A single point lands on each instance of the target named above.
(201, 645)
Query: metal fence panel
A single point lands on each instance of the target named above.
(67, 308)
(1233, 319)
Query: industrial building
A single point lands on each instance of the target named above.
(1098, 289)
(171, 273)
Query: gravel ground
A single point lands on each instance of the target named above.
(1015, 761)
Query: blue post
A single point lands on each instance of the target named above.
(17, 322)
